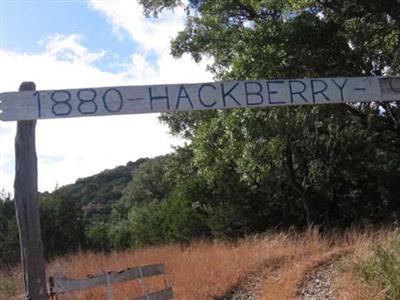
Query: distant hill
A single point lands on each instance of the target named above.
(97, 193)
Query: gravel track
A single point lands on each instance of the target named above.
(248, 288)
(318, 284)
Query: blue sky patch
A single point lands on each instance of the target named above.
(25, 23)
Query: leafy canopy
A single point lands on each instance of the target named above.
(336, 160)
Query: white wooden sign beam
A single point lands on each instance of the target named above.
(187, 97)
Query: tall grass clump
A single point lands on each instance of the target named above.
(9, 284)
(381, 267)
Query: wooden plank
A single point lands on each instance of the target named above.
(27, 207)
(160, 295)
(187, 97)
(62, 285)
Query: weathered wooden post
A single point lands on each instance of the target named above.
(27, 207)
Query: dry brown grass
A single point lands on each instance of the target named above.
(309, 250)
(10, 284)
(205, 270)
(199, 271)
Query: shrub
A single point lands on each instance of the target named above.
(382, 267)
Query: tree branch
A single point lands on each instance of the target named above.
(290, 169)
(351, 109)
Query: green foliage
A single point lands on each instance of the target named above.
(77, 216)
(148, 225)
(175, 220)
(275, 38)
(339, 161)
(156, 207)
(97, 194)
(62, 224)
(98, 237)
(156, 6)
(148, 184)
(120, 235)
(382, 268)
(9, 239)
(184, 218)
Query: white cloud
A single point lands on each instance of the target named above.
(52, 71)
(153, 37)
(150, 33)
(69, 48)
(72, 148)
(81, 146)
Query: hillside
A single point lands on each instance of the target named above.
(96, 194)
(69, 214)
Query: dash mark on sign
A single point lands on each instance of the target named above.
(136, 99)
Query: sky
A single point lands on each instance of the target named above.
(88, 43)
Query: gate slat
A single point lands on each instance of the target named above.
(63, 285)
(165, 294)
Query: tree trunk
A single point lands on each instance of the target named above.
(309, 207)
(307, 196)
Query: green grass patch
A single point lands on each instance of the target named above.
(381, 269)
